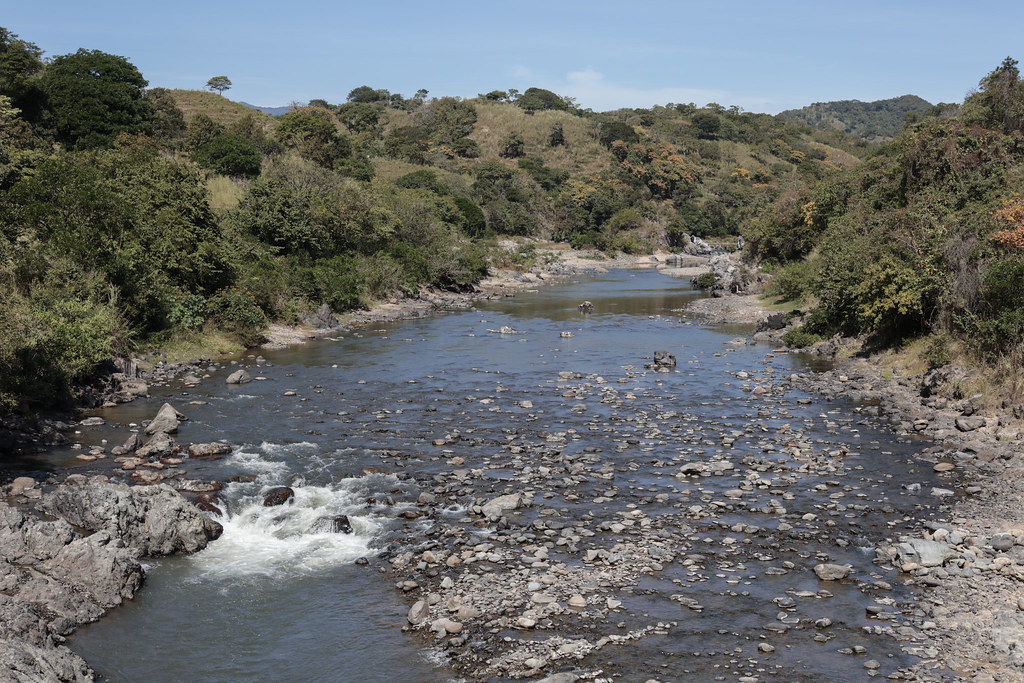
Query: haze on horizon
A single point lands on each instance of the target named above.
(762, 57)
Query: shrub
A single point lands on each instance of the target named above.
(512, 146)
(229, 155)
(799, 338)
(705, 280)
(235, 310)
(794, 281)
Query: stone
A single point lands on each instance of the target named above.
(496, 506)
(238, 377)
(833, 572)
(418, 613)
(1002, 542)
(664, 359)
(969, 424)
(278, 496)
(923, 552)
(166, 420)
(586, 307)
(338, 524)
(158, 446)
(155, 519)
(208, 451)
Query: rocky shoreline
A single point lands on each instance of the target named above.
(71, 552)
(504, 600)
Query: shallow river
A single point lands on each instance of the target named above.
(279, 597)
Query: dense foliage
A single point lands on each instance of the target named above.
(131, 215)
(926, 236)
(878, 120)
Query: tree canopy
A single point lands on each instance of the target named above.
(94, 96)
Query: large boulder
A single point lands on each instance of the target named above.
(239, 377)
(496, 506)
(166, 420)
(29, 650)
(155, 519)
(923, 552)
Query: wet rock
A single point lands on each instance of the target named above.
(167, 420)
(664, 359)
(208, 451)
(278, 496)
(586, 307)
(496, 506)
(775, 321)
(155, 519)
(238, 377)
(833, 572)
(339, 524)
(132, 444)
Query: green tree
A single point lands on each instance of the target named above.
(999, 102)
(201, 130)
(366, 95)
(229, 155)
(556, 138)
(168, 123)
(93, 97)
(219, 84)
(20, 62)
(512, 146)
(313, 134)
(539, 99)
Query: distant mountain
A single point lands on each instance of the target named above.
(872, 121)
(273, 111)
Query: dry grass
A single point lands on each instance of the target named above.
(582, 154)
(187, 347)
(389, 170)
(225, 193)
(217, 107)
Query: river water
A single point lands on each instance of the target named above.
(279, 597)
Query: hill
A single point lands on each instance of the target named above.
(872, 121)
(217, 107)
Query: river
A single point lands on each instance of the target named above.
(451, 406)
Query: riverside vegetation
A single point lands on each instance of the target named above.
(133, 216)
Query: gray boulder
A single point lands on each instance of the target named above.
(29, 650)
(923, 552)
(166, 420)
(239, 377)
(155, 519)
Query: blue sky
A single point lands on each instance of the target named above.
(761, 56)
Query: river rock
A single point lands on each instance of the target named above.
(239, 377)
(278, 496)
(166, 420)
(419, 612)
(339, 524)
(496, 506)
(155, 519)
(923, 552)
(586, 307)
(99, 565)
(969, 424)
(157, 447)
(29, 650)
(208, 451)
(832, 572)
(664, 359)
(131, 445)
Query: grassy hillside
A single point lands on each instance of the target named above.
(217, 107)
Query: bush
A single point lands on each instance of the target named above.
(235, 310)
(512, 146)
(705, 280)
(799, 338)
(795, 281)
(229, 155)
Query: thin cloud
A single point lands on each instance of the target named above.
(592, 90)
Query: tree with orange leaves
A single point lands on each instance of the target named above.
(1012, 215)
